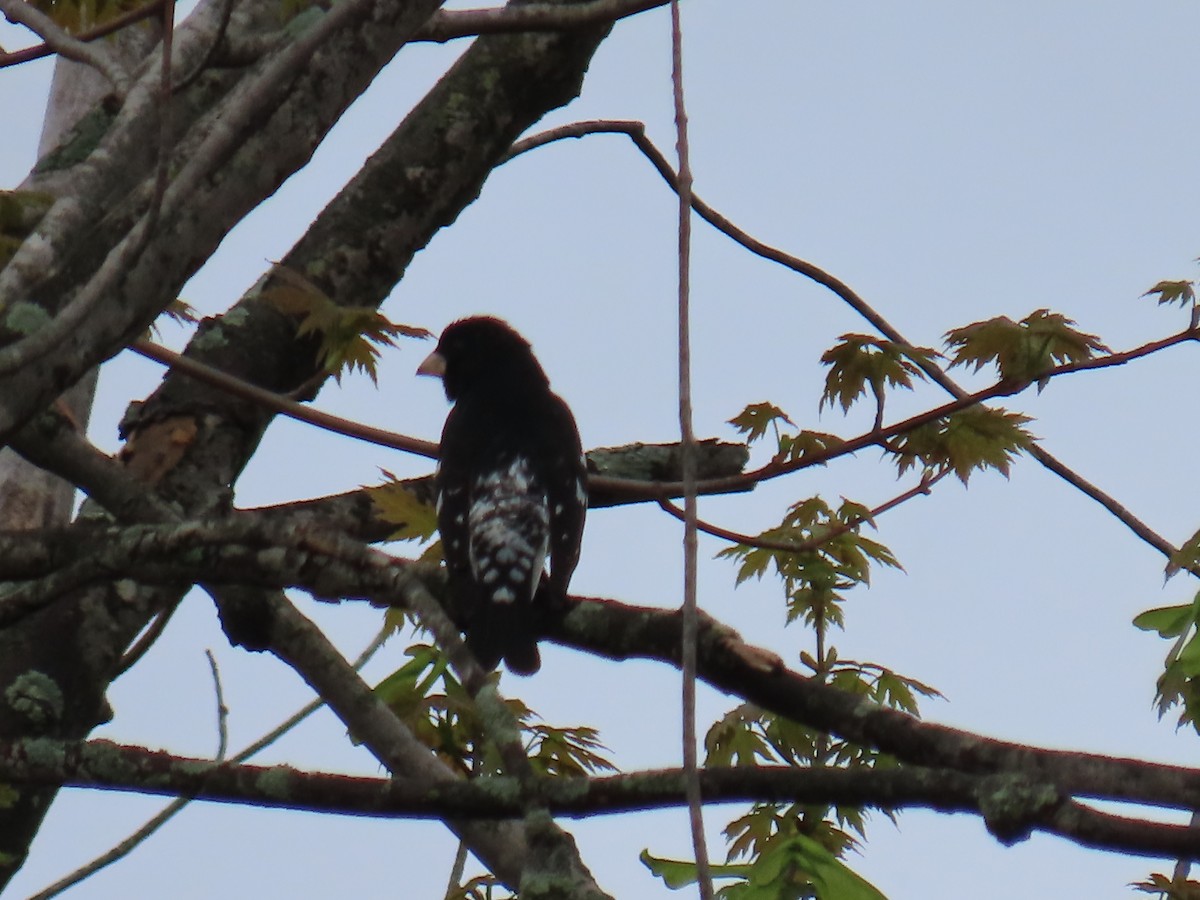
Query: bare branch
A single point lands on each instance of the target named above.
(59, 41)
(283, 405)
(687, 446)
(447, 25)
(1012, 807)
(16, 57)
(922, 488)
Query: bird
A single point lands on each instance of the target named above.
(511, 486)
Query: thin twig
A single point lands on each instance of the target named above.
(687, 451)
(148, 637)
(923, 488)
(222, 709)
(282, 405)
(125, 847)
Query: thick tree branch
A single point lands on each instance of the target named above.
(447, 25)
(331, 565)
(222, 175)
(1012, 807)
(619, 631)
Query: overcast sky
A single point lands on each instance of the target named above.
(951, 162)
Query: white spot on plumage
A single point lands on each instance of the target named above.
(508, 523)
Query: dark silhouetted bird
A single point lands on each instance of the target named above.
(511, 487)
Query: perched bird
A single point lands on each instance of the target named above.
(511, 487)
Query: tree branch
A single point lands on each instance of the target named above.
(59, 41)
(447, 25)
(330, 565)
(1012, 807)
(635, 131)
(29, 54)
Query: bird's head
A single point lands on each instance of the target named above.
(478, 352)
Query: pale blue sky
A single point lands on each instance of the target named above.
(950, 161)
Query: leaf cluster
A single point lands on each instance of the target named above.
(966, 441)
(860, 363)
(831, 556)
(794, 850)
(350, 338)
(1179, 683)
(790, 445)
(799, 867)
(1022, 351)
(432, 702)
(750, 736)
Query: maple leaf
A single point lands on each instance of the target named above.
(1186, 557)
(566, 751)
(399, 506)
(1181, 292)
(806, 445)
(972, 439)
(178, 311)
(1169, 888)
(755, 419)
(351, 337)
(861, 362)
(1022, 351)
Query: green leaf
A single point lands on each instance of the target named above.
(966, 441)
(806, 445)
(397, 505)
(677, 873)
(1168, 621)
(566, 751)
(831, 877)
(1022, 351)
(755, 419)
(792, 868)
(1181, 292)
(814, 576)
(1186, 557)
(862, 362)
(350, 337)
(732, 740)
(1187, 661)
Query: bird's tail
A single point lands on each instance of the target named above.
(502, 632)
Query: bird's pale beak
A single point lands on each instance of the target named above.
(434, 364)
